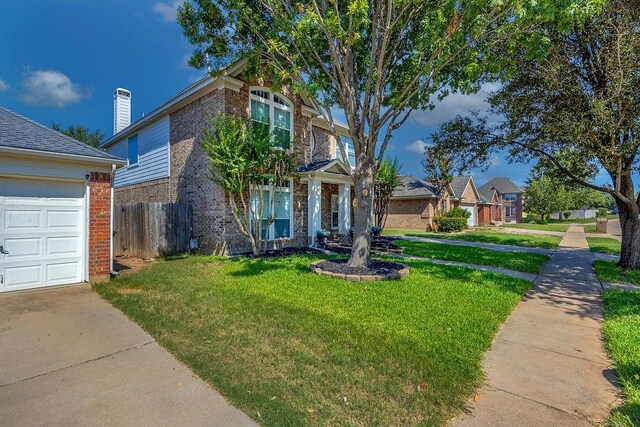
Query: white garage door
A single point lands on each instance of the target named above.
(41, 232)
(471, 221)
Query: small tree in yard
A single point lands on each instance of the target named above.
(243, 157)
(376, 60)
(577, 108)
(438, 169)
(387, 179)
(544, 196)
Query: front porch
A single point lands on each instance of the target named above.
(329, 198)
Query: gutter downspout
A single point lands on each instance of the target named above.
(111, 270)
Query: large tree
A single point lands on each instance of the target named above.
(81, 133)
(544, 196)
(376, 60)
(577, 108)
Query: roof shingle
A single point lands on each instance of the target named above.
(17, 131)
(503, 185)
(414, 187)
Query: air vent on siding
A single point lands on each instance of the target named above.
(121, 109)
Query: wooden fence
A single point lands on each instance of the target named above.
(147, 230)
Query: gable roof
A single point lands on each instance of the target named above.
(486, 195)
(503, 185)
(20, 133)
(459, 184)
(331, 166)
(225, 79)
(413, 187)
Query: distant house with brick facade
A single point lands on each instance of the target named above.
(509, 198)
(166, 163)
(55, 207)
(414, 203)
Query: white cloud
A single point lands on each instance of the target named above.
(4, 86)
(50, 88)
(167, 11)
(453, 105)
(417, 146)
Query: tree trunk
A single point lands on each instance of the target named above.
(361, 250)
(630, 225)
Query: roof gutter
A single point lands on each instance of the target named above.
(63, 156)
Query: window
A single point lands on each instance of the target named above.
(279, 200)
(510, 197)
(349, 150)
(335, 217)
(510, 210)
(273, 111)
(132, 150)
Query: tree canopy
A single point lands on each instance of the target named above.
(575, 108)
(81, 133)
(375, 60)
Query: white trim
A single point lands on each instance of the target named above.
(62, 156)
(87, 227)
(231, 83)
(337, 199)
(309, 111)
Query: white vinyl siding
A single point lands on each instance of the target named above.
(153, 154)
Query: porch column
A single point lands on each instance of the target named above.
(344, 208)
(314, 203)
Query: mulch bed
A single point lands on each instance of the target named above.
(380, 244)
(273, 253)
(378, 270)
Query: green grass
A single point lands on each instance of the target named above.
(526, 240)
(545, 227)
(292, 348)
(621, 331)
(604, 245)
(608, 271)
(591, 228)
(519, 261)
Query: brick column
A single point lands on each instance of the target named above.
(99, 226)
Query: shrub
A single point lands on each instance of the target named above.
(450, 224)
(531, 218)
(458, 213)
(566, 214)
(602, 212)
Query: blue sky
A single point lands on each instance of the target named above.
(60, 61)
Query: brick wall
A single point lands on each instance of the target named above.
(327, 190)
(152, 191)
(411, 214)
(484, 214)
(99, 226)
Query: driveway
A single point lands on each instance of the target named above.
(69, 358)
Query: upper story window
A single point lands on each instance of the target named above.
(510, 197)
(349, 151)
(132, 150)
(275, 111)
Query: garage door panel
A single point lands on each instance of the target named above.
(57, 219)
(68, 245)
(42, 225)
(22, 219)
(64, 272)
(24, 276)
(22, 247)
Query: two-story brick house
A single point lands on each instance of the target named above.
(509, 198)
(166, 162)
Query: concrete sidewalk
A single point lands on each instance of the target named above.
(547, 365)
(529, 231)
(70, 358)
(491, 246)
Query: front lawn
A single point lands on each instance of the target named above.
(604, 245)
(519, 261)
(621, 331)
(526, 240)
(608, 271)
(545, 227)
(292, 348)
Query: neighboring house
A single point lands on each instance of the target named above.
(166, 162)
(415, 203)
(55, 207)
(509, 196)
